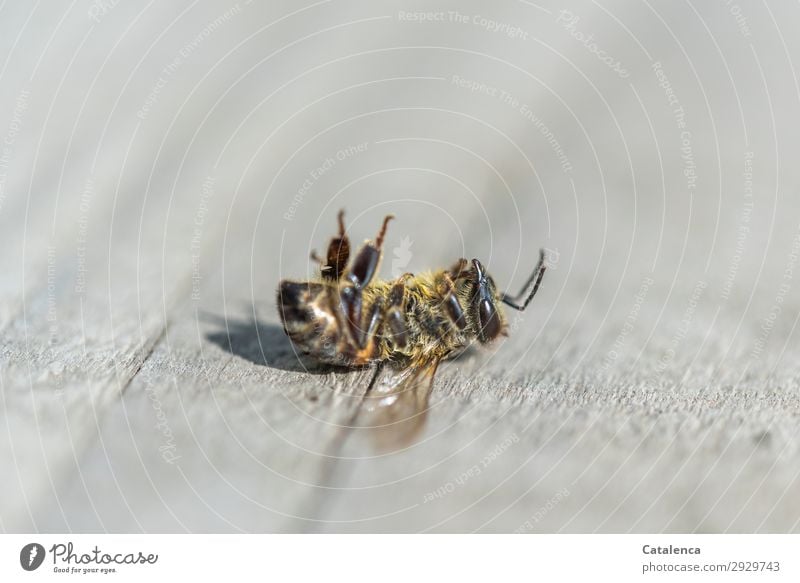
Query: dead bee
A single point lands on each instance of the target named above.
(349, 317)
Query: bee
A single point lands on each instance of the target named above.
(349, 317)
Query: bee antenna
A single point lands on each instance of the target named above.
(536, 276)
(340, 218)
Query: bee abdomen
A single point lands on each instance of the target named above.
(306, 319)
(293, 301)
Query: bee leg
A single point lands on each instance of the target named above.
(351, 302)
(358, 277)
(324, 268)
(452, 306)
(394, 314)
(367, 347)
(366, 262)
(338, 253)
(382, 232)
(459, 270)
(373, 324)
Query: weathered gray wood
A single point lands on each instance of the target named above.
(652, 386)
(69, 354)
(193, 441)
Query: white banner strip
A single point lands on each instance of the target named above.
(401, 558)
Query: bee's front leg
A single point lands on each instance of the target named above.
(362, 333)
(459, 270)
(351, 305)
(374, 321)
(338, 253)
(366, 262)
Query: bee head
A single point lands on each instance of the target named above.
(484, 305)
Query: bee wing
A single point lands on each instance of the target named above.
(397, 405)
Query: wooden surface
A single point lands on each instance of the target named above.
(164, 167)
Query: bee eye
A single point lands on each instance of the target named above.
(488, 320)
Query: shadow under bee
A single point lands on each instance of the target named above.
(394, 409)
(263, 344)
